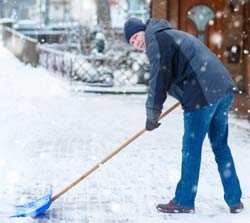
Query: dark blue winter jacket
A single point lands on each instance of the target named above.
(181, 65)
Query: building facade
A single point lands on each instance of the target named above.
(60, 10)
(224, 26)
(16, 10)
(53, 11)
(85, 11)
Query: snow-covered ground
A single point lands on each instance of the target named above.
(50, 134)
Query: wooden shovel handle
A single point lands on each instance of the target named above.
(112, 154)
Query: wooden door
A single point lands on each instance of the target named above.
(203, 18)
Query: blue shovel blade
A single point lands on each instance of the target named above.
(34, 208)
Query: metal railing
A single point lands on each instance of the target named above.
(71, 65)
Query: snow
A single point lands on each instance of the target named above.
(246, 51)
(216, 39)
(51, 134)
(211, 22)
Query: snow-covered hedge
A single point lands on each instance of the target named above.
(114, 68)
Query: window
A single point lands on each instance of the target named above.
(201, 15)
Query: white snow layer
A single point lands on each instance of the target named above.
(50, 134)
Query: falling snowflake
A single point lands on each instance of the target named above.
(219, 14)
(234, 49)
(194, 188)
(246, 51)
(227, 173)
(211, 22)
(237, 23)
(198, 106)
(216, 39)
(178, 41)
(192, 135)
(204, 67)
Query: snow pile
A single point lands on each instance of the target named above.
(31, 83)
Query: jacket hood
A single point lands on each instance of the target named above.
(155, 25)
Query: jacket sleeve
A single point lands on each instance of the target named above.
(161, 74)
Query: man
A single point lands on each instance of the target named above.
(182, 66)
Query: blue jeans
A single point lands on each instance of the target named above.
(212, 119)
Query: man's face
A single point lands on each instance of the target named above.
(138, 41)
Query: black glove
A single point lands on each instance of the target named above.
(151, 125)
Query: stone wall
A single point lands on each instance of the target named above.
(23, 47)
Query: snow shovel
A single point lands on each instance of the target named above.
(40, 206)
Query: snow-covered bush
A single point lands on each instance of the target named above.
(118, 65)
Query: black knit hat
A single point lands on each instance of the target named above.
(132, 26)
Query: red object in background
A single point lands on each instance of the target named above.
(113, 2)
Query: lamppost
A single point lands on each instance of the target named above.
(1, 8)
(44, 6)
(47, 9)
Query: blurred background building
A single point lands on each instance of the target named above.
(84, 11)
(21, 9)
